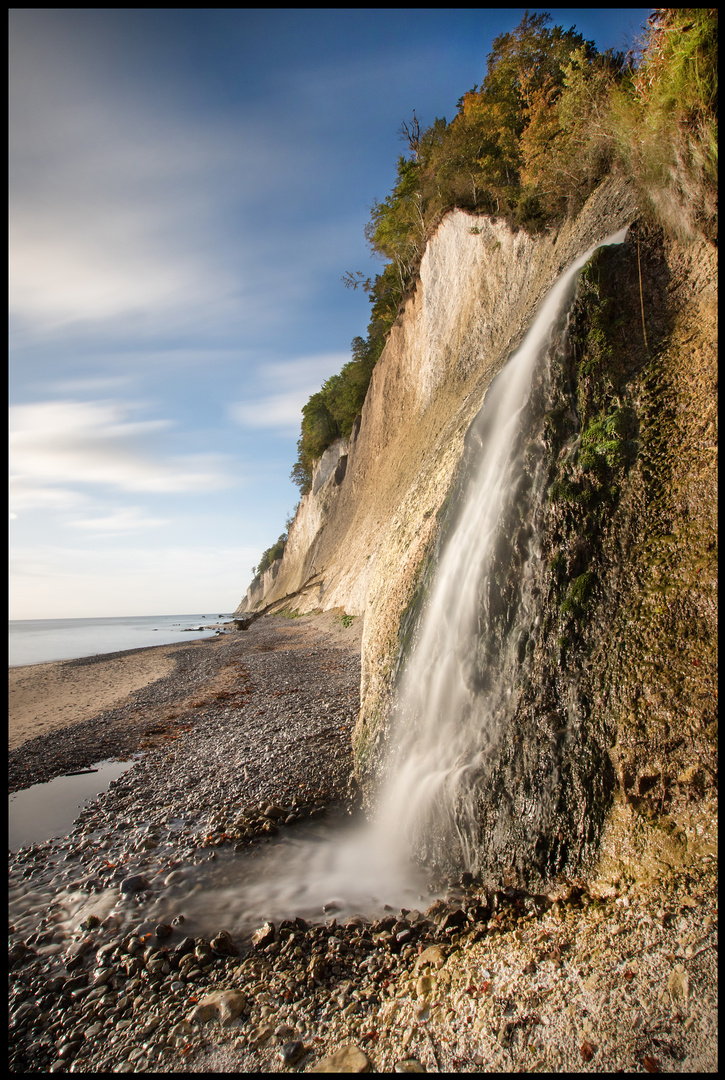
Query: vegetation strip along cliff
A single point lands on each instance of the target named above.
(551, 118)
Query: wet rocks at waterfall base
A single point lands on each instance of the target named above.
(446, 1000)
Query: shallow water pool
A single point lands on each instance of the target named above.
(48, 810)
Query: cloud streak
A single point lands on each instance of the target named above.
(121, 521)
(94, 443)
(119, 200)
(99, 232)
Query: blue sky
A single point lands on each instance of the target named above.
(187, 188)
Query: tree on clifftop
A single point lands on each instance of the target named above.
(549, 120)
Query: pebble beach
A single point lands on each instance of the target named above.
(130, 950)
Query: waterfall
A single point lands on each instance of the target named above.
(463, 676)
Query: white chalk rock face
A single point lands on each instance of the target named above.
(361, 534)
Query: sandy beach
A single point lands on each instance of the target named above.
(43, 698)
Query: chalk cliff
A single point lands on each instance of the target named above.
(366, 533)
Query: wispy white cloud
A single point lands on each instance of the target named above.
(69, 419)
(306, 369)
(282, 409)
(84, 270)
(92, 384)
(282, 412)
(29, 495)
(124, 520)
(90, 235)
(94, 442)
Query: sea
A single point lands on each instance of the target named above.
(38, 641)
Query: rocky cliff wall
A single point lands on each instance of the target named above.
(365, 536)
(607, 764)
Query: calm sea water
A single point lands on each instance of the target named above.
(38, 641)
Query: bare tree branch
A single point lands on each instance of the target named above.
(411, 133)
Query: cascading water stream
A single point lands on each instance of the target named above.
(460, 682)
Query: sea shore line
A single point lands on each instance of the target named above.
(47, 697)
(121, 956)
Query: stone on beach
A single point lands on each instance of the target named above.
(349, 1058)
(134, 883)
(224, 945)
(263, 936)
(292, 1051)
(224, 1005)
(433, 955)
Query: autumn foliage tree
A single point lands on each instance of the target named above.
(567, 144)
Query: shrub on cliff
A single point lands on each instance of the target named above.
(276, 551)
(664, 121)
(331, 412)
(567, 145)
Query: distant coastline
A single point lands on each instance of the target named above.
(42, 641)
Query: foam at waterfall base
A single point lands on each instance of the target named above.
(329, 870)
